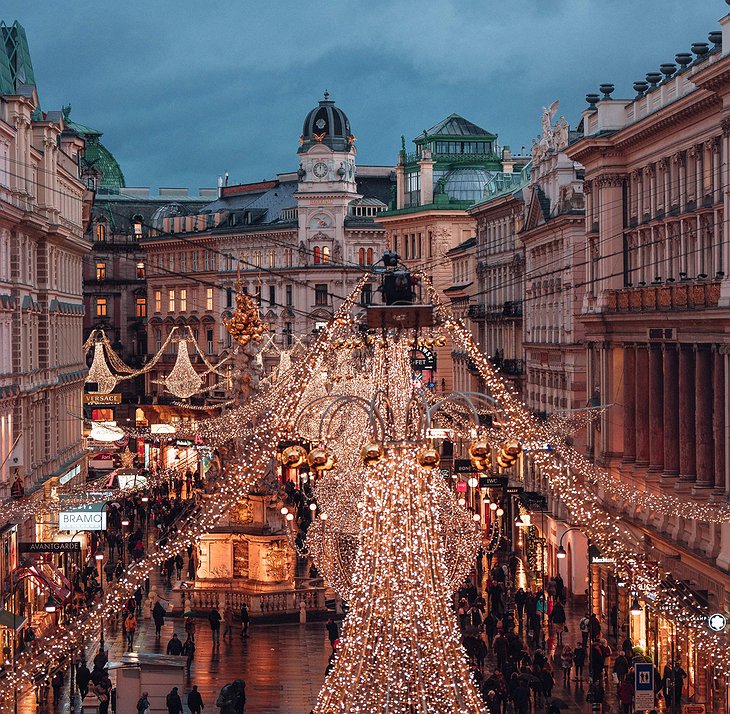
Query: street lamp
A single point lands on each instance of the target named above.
(635, 608)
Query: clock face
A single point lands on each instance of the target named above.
(320, 169)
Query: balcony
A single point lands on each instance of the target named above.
(667, 297)
(510, 309)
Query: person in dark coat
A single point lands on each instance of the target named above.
(83, 677)
(195, 701)
(333, 632)
(174, 646)
(56, 685)
(214, 618)
(174, 703)
(245, 620)
(557, 617)
(158, 615)
(521, 697)
(490, 628)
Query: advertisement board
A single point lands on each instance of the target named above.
(85, 518)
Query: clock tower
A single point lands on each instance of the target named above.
(326, 180)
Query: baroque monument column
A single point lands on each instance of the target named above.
(642, 406)
(686, 414)
(671, 411)
(629, 404)
(656, 409)
(703, 416)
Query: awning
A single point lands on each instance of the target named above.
(48, 575)
(11, 620)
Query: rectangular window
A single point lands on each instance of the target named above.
(320, 294)
(183, 300)
(288, 257)
(209, 298)
(287, 334)
(171, 261)
(209, 338)
(101, 307)
(289, 296)
(229, 297)
(366, 296)
(272, 258)
(207, 261)
(141, 307)
(100, 233)
(272, 295)
(137, 227)
(171, 300)
(158, 340)
(183, 262)
(158, 301)
(140, 271)
(101, 271)
(195, 261)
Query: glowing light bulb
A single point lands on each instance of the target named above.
(462, 502)
(322, 516)
(476, 518)
(289, 516)
(473, 483)
(500, 511)
(312, 506)
(493, 506)
(284, 510)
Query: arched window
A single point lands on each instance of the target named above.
(369, 256)
(317, 254)
(361, 256)
(100, 233)
(325, 255)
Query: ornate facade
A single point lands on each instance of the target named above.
(655, 313)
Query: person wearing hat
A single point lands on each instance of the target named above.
(174, 703)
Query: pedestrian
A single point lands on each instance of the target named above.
(109, 571)
(195, 701)
(579, 658)
(188, 650)
(158, 615)
(83, 677)
(56, 685)
(585, 628)
(174, 646)
(143, 703)
(130, 625)
(214, 618)
(559, 588)
(190, 628)
(566, 662)
(245, 619)
(520, 600)
(174, 703)
(179, 562)
(557, 617)
(490, 628)
(333, 632)
(626, 695)
(229, 620)
(620, 667)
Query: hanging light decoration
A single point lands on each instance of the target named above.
(183, 381)
(100, 372)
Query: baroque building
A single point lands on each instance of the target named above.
(298, 243)
(435, 186)
(655, 311)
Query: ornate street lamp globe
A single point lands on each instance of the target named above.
(326, 124)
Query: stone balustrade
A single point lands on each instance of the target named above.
(676, 296)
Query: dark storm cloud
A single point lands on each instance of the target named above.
(184, 91)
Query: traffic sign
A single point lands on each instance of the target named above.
(644, 685)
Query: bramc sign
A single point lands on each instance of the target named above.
(78, 520)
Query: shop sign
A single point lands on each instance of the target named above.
(445, 472)
(103, 461)
(717, 622)
(75, 471)
(493, 481)
(461, 486)
(439, 433)
(182, 442)
(426, 361)
(51, 547)
(644, 685)
(601, 559)
(693, 709)
(514, 490)
(463, 466)
(86, 518)
(98, 399)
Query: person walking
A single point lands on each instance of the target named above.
(174, 646)
(158, 615)
(143, 703)
(83, 677)
(557, 617)
(214, 618)
(195, 701)
(188, 650)
(173, 702)
(579, 659)
(229, 620)
(333, 632)
(56, 685)
(566, 663)
(626, 695)
(130, 625)
(245, 619)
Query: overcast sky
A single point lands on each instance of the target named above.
(184, 91)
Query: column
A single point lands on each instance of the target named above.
(656, 409)
(686, 414)
(671, 411)
(642, 406)
(629, 404)
(718, 416)
(703, 416)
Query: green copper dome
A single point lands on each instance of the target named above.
(97, 157)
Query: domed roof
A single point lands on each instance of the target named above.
(97, 158)
(466, 183)
(326, 124)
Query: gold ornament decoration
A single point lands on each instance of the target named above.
(479, 449)
(512, 448)
(429, 457)
(293, 456)
(245, 324)
(371, 453)
(503, 461)
(479, 464)
(317, 458)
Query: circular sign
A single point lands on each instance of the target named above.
(717, 622)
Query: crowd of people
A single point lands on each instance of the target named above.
(519, 645)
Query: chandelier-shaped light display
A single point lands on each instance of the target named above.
(183, 381)
(100, 372)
